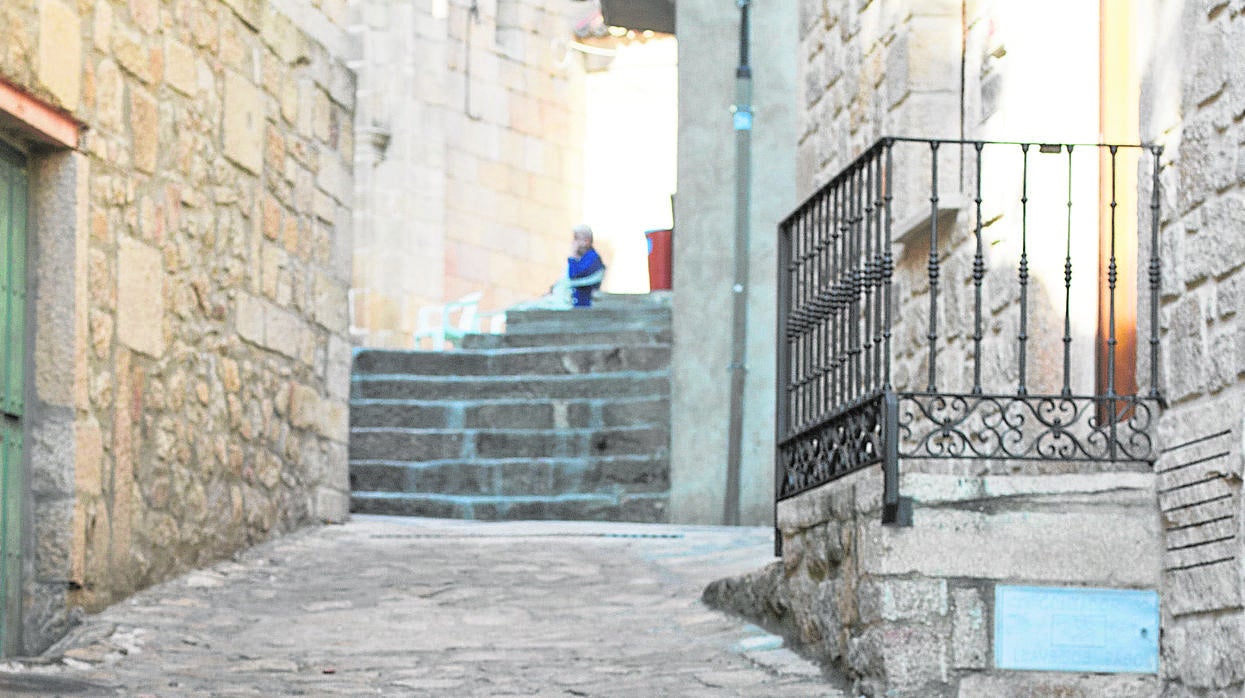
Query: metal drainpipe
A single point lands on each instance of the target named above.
(739, 290)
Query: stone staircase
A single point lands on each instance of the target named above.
(565, 416)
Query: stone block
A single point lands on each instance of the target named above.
(332, 506)
(918, 600)
(285, 332)
(630, 473)
(509, 416)
(88, 458)
(135, 58)
(321, 115)
(243, 124)
(334, 178)
(406, 445)
(102, 34)
(1205, 651)
(1200, 589)
(635, 412)
(249, 11)
(1039, 684)
(60, 52)
(283, 37)
(406, 416)
(180, 67)
(145, 15)
(337, 368)
(901, 660)
(109, 95)
(1214, 250)
(1099, 543)
(249, 319)
(53, 538)
(328, 302)
(970, 630)
(145, 129)
(140, 297)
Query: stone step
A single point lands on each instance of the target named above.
(413, 445)
(519, 361)
(587, 320)
(654, 314)
(651, 410)
(661, 299)
(515, 476)
(587, 386)
(644, 508)
(567, 339)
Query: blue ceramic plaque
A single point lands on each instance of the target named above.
(1076, 629)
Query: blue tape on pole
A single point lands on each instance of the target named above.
(743, 120)
(1076, 629)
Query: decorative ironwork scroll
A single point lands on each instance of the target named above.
(1025, 427)
(838, 280)
(842, 444)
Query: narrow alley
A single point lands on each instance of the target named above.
(433, 607)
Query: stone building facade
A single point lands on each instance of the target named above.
(1193, 102)
(912, 610)
(470, 161)
(189, 169)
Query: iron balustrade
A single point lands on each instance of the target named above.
(838, 410)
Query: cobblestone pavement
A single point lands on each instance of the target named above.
(431, 607)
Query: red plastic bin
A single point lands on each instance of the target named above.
(660, 253)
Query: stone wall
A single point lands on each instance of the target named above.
(468, 174)
(909, 611)
(192, 381)
(708, 34)
(1193, 101)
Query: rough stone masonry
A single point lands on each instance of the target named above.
(191, 263)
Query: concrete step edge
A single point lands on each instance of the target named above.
(508, 498)
(413, 402)
(502, 462)
(563, 377)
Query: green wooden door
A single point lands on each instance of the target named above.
(12, 385)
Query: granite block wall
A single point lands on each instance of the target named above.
(191, 261)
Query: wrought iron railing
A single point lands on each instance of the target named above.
(842, 403)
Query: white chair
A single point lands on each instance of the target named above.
(448, 322)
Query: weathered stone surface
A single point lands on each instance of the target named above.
(145, 129)
(140, 297)
(970, 630)
(1017, 684)
(242, 131)
(884, 599)
(60, 52)
(181, 67)
(1200, 589)
(1109, 545)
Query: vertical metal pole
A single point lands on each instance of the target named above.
(888, 268)
(839, 234)
(1023, 337)
(1112, 272)
(878, 273)
(739, 334)
(932, 334)
(782, 370)
(896, 510)
(823, 306)
(1155, 272)
(979, 275)
(1067, 290)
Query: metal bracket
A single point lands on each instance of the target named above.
(896, 510)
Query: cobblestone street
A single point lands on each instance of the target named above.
(428, 607)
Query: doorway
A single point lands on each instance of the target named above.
(13, 208)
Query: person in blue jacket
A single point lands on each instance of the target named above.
(584, 265)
